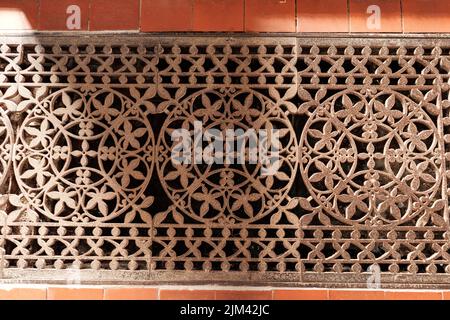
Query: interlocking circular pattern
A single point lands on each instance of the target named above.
(371, 158)
(6, 141)
(84, 157)
(229, 193)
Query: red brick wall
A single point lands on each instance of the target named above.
(228, 15)
(154, 293)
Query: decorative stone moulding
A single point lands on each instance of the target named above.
(89, 191)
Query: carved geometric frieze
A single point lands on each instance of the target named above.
(89, 183)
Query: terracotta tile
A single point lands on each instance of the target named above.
(19, 14)
(413, 295)
(426, 16)
(322, 16)
(375, 16)
(131, 294)
(114, 15)
(57, 15)
(300, 294)
(187, 294)
(74, 294)
(163, 15)
(218, 15)
(23, 294)
(243, 295)
(356, 294)
(270, 15)
(446, 295)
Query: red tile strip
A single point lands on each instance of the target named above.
(416, 16)
(167, 293)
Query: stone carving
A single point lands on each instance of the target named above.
(87, 180)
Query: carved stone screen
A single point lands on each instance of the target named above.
(88, 186)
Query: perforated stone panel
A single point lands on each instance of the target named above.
(90, 191)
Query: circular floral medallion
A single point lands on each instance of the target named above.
(84, 157)
(371, 158)
(236, 185)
